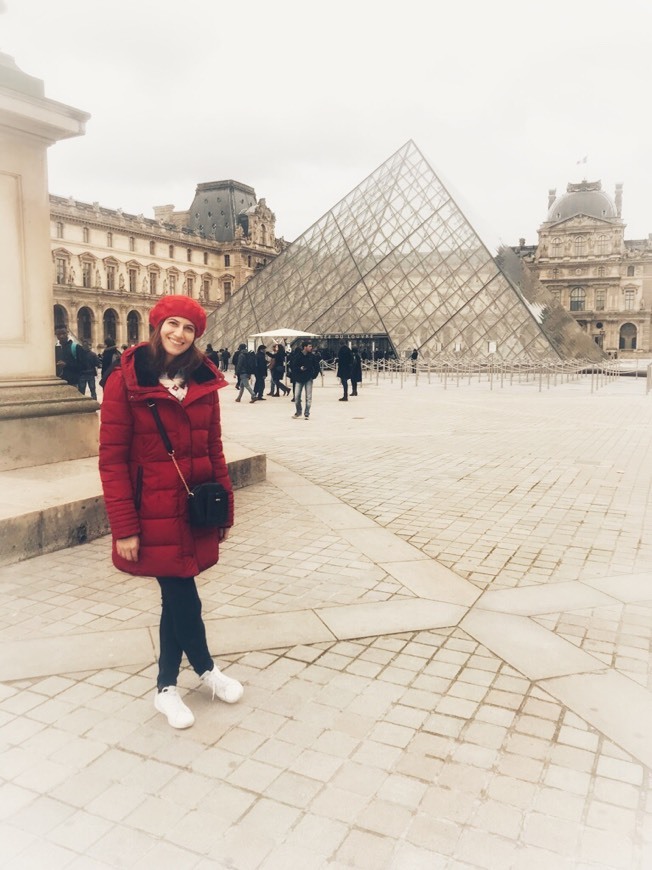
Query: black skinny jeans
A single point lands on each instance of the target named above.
(181, 631)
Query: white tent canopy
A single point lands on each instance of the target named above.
(283, 332)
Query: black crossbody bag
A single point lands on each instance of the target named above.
(208, 503)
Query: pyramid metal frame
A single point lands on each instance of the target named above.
(396, 256)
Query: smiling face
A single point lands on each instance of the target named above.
(177, 335)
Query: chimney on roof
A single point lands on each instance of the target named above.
(552, 196)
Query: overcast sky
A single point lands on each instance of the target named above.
(302, 100)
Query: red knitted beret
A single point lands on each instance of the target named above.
(179, 306)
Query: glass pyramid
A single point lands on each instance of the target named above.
(396, 258)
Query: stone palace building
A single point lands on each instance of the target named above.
(602, 278)
(110, 267)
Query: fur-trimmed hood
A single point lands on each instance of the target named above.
(140, 378)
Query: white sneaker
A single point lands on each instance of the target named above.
(226, 688)
(168, 702)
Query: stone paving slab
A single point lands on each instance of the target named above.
(528, 647)
(414, 750)
(528, 601)
(513, 739)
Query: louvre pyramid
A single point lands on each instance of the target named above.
(396, 256)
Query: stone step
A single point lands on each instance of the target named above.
(49, 507)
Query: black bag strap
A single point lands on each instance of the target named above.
(166, 441)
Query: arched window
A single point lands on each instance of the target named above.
(580, 246)
(60, 317)
(110, 324)
(556, 248)
(577, 299)
(84, 324)
(627, 338)
(602, 245)
(133, 327)
(631, 271)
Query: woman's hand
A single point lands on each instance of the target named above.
(127, 548)
(223, 534)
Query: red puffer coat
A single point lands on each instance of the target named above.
(144, 494)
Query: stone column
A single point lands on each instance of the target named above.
(42, 419)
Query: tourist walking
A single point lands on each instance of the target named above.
(260, 373)
(225, 356)
(110, 358)
(305, 369)
(356, 371)
(243, 371)
(277, 371)
(68, 358)
(90, 362)
(344, 364)
(167, 385)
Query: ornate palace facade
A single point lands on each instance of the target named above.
(603, 279)
(109, 267)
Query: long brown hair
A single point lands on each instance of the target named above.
(186, 363)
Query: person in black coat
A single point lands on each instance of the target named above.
(344, 366)
(356, 371)
(110, 358)
(260, 373)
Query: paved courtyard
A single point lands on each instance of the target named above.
(440, 605)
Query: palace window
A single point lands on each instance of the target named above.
(630, 299)
(601, 271)
(227, 289)
(109, 240)
(227, 260)
(87, 274)
(190, 283)
(85, 235)
(133, 280)
(206, 285)
(152, 248)
(61, 270)
(189, 255)
(110, 277)
(600, 299)
(172, 280)
(577, 299)
(205, 258)
(580, 246)
(171, 252)
(59, 229)
(249, 260)
(631, 271)
(132, 243)
(555, 248)
(152, 282)
(602, 245)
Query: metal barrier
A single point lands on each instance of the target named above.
(498, 374)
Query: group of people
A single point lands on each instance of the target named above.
(220, 358)
(78, 364)
(301, 365)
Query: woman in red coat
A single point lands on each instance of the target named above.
(146, 500)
